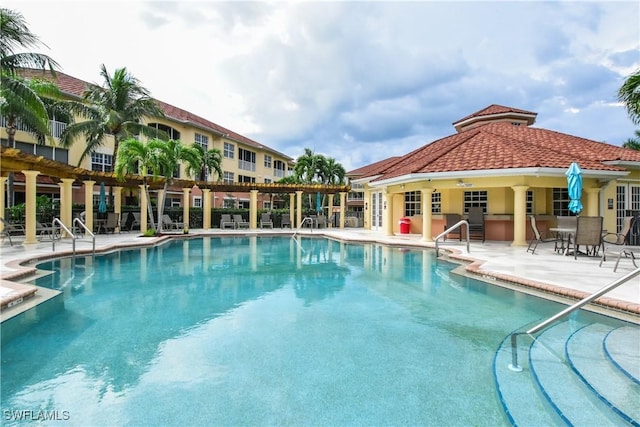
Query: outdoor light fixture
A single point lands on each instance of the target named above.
(464, 184)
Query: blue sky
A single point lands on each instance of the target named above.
(357, 80)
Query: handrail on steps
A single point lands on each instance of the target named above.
(302, 223)
(514, 337)
(78, 222)
(450, 229)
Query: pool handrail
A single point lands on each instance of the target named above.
(514, 336)
(302, 223)
(449, 230)
(76, 221)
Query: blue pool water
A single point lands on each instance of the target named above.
(262, 331)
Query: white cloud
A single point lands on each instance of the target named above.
(358, 81)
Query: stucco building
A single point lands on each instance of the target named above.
(499, 161)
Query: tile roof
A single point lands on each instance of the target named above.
(373, 168)
(502, 145)
(495, 109)
(75, 88)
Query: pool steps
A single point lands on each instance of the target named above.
(573, 375)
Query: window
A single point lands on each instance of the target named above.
(279, 168)
(412, 201)
(561, 202)
(242, 178)
(266, 205)
(101, 162)
(173, 133)
(229, 202)
(197, 202)
(529, 202)
(228, 177)
(246, 160)
(267, 161)
(475, 198)
(268, 180)
(202, 140)
(229, 150)
(436, 203)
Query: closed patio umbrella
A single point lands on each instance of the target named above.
(574, 187)
(102, 204)
(318, 203)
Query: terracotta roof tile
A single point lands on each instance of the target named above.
(495, 109)
(373, 168)
(505, 146)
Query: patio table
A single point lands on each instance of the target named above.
(565, 234)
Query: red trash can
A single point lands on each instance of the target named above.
(405, 225)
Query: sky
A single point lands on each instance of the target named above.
(359, 81)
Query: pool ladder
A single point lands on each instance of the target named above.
(81, 225)
(302, 223)
(449, 230)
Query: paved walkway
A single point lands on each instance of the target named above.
(545, 270)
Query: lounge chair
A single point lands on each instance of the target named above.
(450, 221)
(619, 243)
(476, 222)
(265, 220)
(226, 221)
(9, 230)
(539, 237)
(171, 224)
(588, 234)
(239, 222)
(285, 221)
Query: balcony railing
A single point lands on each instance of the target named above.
(246, 166)
(55, 127)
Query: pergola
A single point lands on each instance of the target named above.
(16, 161)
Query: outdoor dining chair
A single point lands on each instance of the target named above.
(476, 222)
(539, 237)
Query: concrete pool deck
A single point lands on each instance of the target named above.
(544, 272)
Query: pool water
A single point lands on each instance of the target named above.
(263, 331)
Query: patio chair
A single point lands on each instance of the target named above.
(285, 221)
(240, 222)
(321, 222)
(476, 222)
(9, 230)
(452, 219)
(619, 243)
(539, 237)
(46, 231)
(134, 218)
(265, 220)
(226, 221)
(171, 224)
(588, 234)
(112, 222)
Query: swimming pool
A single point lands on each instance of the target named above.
(264, 331)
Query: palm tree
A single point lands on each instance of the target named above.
(629, 95)
(332, 173)
(135, 157)
(21, 100)
(306, 169)
(633, 143)
(14, 36)
(115, 109)
(169, 155)
(211, 163)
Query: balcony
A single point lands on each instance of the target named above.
(246, 166)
